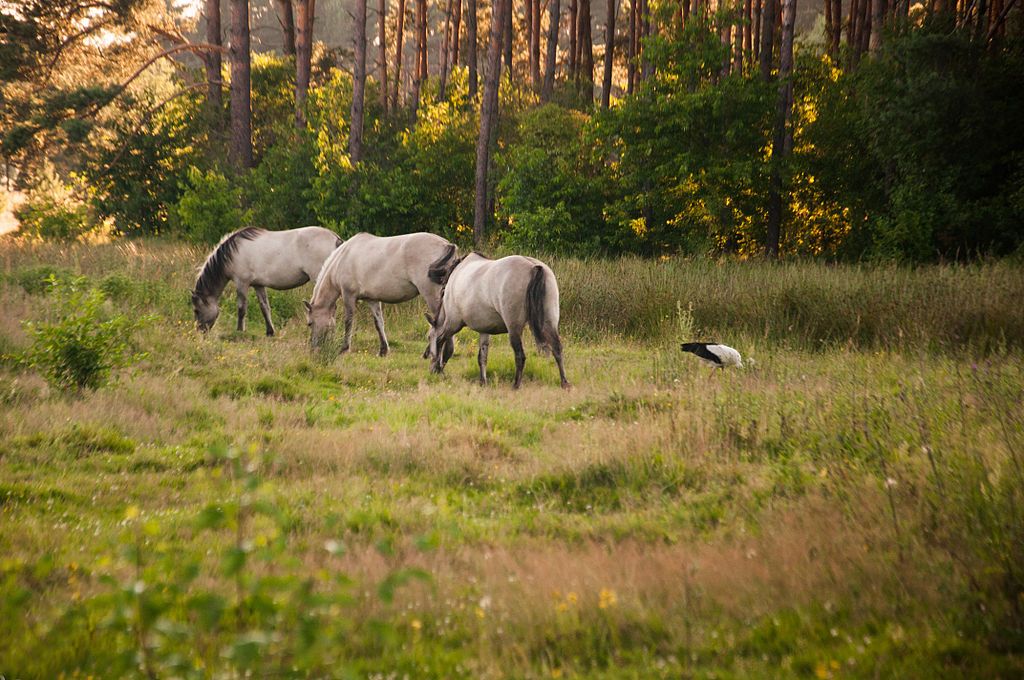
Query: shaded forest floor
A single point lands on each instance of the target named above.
(843, 507)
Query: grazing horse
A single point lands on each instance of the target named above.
(261, 259)
(377, 269)
(498, 296)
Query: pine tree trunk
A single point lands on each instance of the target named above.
(456, 36)
(782, 142)
(767, 38)
(755, 27)
(212, 61)
(748, 25)
(879, 10)
(382, 55)
(507, 40)
(488, 115)
(241, 105)
(399, 43)
(420, 63)
(646, 67)
(631, 48)
(551, 59)
(355, 134)
(573, 48)
(305, 13)
(445, 50)
(471, 47)
(725, 35)
(528, 25)
(286, 18)
(535, 63)
(609, 54)
(586, 42)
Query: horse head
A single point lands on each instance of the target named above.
(206, 309)
(321, 322)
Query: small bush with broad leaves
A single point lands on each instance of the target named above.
(85, 343)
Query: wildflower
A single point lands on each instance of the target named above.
(820, 671)
(132, 512)
(607, 598)
(416, 624)
(890, 483)
(480, 613)
(571, 598)
(556, 672)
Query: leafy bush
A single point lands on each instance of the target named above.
(209, 207)
(79, 350)
(39, 279)
(279, 189)
(52, 212)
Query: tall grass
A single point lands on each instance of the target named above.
(805, 304)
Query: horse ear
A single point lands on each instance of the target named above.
(309, 307)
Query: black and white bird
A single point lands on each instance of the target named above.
(719, 356)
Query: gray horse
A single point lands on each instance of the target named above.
(493, 297)
(259, 259)
(377, 269)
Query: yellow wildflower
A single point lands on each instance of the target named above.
(607, 598)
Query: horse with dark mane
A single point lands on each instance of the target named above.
(493, 297)
(259, 259)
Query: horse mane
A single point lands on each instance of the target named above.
(437, 271)
(213, 274)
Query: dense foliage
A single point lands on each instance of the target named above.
(914, 155)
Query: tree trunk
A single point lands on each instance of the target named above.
(457, 35)
(445, 50)
(471, 47)
(488, 114)
(767, 37)
(879, 10)
(863, 28)
(631, 48)
(782, 137)
(646, 67)
(586, 42)
(212, 60)
(241, 109)
(725, 35)
(399, 43)
(551, 59)
(382, 55)
(355, 132)
(528, 25)
(748, 25)
(535, 62)
(285, 17)
(755, 26)
(609, 54)
(420, 63)
(305, 13)
(507, 40)
(573, 49)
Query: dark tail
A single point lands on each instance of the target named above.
(535, 294)
(439, 270)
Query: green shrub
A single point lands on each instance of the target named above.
(52, 212)
(79, 350)
(209, 207)
(38, 280)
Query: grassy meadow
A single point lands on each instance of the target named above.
(850, 504)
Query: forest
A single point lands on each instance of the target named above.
(847, 132)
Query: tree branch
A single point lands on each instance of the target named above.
(1000, 20)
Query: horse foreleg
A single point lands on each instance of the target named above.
(350, 313)
(243, 305)
(261, 298)
(481, 356)
(378, 321)
(515, 338)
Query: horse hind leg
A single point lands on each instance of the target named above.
(378, 321)
(242, 291)
(515, 339)
(481, 356)
(555, 343)
(261, 298)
